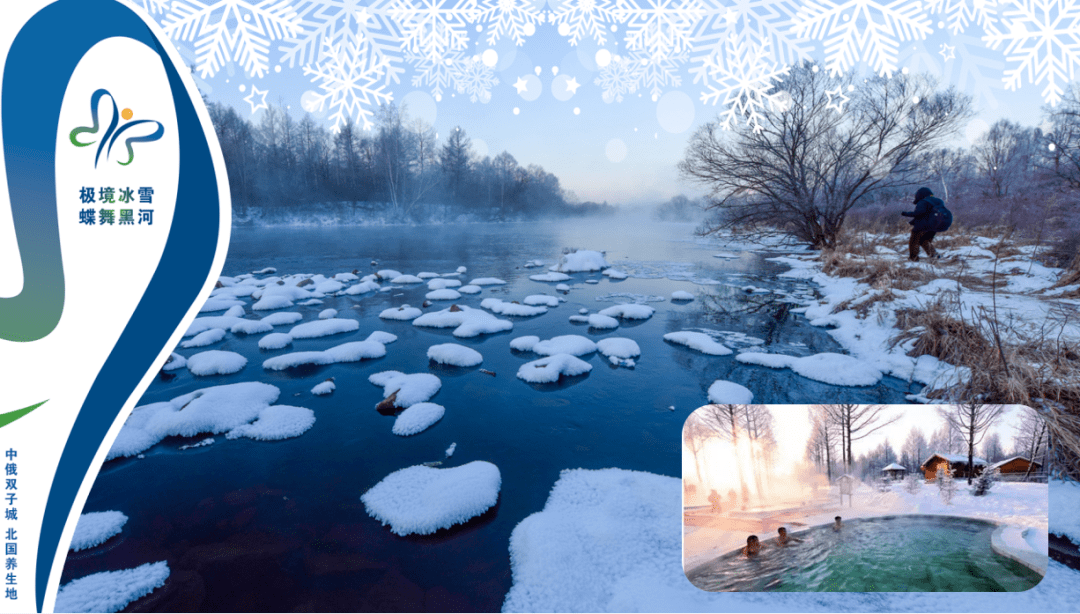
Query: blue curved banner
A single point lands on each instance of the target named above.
(42, 59)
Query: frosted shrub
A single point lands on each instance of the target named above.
(984, 482)
(946, 483)
(912, 483)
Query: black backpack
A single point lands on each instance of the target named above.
(940, 217)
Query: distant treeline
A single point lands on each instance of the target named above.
(398, 167)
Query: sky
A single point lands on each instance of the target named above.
(554, 103)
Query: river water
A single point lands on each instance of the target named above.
(278, 526)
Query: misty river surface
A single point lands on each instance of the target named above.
(278, 526)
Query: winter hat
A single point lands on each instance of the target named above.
(922, 193)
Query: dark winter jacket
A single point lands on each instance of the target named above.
(921, 219)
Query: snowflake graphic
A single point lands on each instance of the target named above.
(152, 7)
(862, 30)
(960, 13)
(351, 82)
(345, 21)
(764, 22)
(515, 19)
(439, 74)
(657, 73)
(432, 28)
(661, 28)
(231, 31)
(744, 76)
(577, 19)
(618, 78)
(1042, 38)
(475, 78)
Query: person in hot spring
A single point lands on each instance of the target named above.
(784, 539)
(753, 546)
(836, 524)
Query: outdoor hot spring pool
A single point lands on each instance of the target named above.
(896, 553)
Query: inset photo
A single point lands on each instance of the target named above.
(865, 498)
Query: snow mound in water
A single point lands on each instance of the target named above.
(454, 354)
(723, 391)
(326, 314)
(470, 289)
(550, 276)
(487, 281)
(323, 328)
(440, 284)
(275, 341)
(836, 369)
(362, 287)
(323, 388)
(511, 309)
(423, 499)
(407, 279)
(681, 295)
(602, 322)
(575, 345)
(283, 317)
(549, 370)
(276, 422)
(204, 338)
(698, 341)
(444, 294)
(410, 388)
(541, 299)
(417, 418)
(249, 327)
(95, 528)
(111, 591)
(220, 303)
(629, 311)
(215, 362)
(401, 313)
(469, 322)
(598, 530)
(582, 261)
(353, 351)
(273, 301)
(524, 344)
(618, 347)
(615, 274)
(773, 361)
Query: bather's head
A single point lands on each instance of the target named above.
(782, 531)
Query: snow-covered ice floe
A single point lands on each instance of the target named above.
(504, 308)
(455, 355)
(443, 294)
(541, 299)
(600, 321)
(524, 344)
(406, 279)
(423, 499)
(615, 274)
(275, 341)
(283, 317)
(353, 351)
(773, 361)
(439, 284)
(174, 362)
(700, 342)
(581, 261)
(427, 275)
(681, 295)
(219, 304)
(215, 362)
(487, 281)
(323, 388)
(323, 328)
(111, 591)
(575, 345)
(205, 338)
(600, 533)
(276, 422)
(722, 391)
(836, 369)
(401, 313)
(629, 311)
(470, 289)
(549, 370)
(95, 528)
(619, 350)
(362, 288)
(466, 321)
(417, 418)
(407, 389)
(326, 314)
(218, 409)
(388, 274)
(271, 302)
(550, 276)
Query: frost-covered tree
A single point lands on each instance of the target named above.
(992, 449)
(822, 150)
(972, 420)
(945, 482)
(984, 482)
(912, 483)
(915, 448)
(695, 435)
(1003, 157)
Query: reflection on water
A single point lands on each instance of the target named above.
(278, 526)
(901, 553)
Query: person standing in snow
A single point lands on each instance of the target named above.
(925, 223)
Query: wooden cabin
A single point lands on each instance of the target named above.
(958, 463)
(1014, 469)
(894, 471)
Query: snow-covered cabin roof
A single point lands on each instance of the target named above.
(1011, 459)
(957, 458)
(894, 467)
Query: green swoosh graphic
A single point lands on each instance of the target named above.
(12, 416)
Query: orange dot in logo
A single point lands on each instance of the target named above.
(126, 114)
